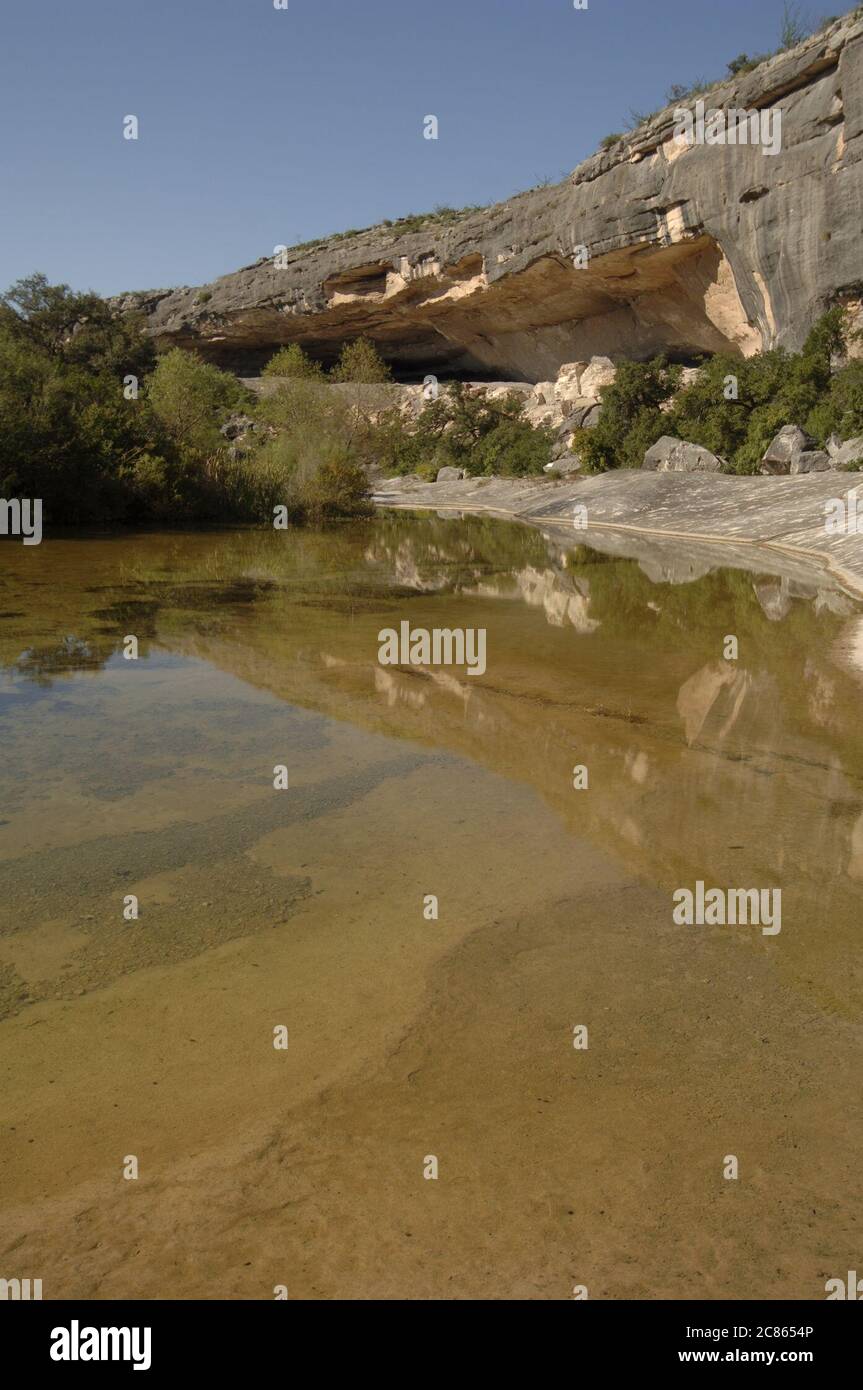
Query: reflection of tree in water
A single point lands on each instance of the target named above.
(40, 664)
(127, 617)
(447, 554)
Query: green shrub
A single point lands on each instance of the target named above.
(360, 362)
(293, 362)
(339, 487)
(311, 455)
(631, 420)
(462, 430)
(841, 411)
(702, 413)
(773, 389)
(69, 434)
(743, 64)
(192, 399)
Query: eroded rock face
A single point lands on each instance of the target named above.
(692, 249)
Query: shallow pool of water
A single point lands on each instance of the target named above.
(410, 1035)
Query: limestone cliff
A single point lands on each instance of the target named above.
(692, 248)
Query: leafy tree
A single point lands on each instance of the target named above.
(294, 363)
(631, 419)
(69, 434)
(76, 328)
(359, 362)
(192, 399)
(462, 430)
(841, 411)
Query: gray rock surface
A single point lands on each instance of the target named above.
(670, 455)
(689, 249)
(790, 442)
(844, 454)
(237, 426)
(563, 464)
(811, 461)
(762, 524)
(450, 475)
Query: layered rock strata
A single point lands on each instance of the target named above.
(650, 245)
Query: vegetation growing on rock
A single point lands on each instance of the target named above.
(735, 406)
(461, 430)
(103, 430)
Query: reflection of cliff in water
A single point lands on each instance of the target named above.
(744, 773)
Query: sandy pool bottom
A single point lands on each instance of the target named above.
(410, 1038)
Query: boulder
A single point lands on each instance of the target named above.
(567, 388)
(812, 461)
(576, 419)
(499, 390)
(789, 442)
(543, 393)
(566, 463)
(842, 455)
(450, 475)
(236, 426)
(600, 372)
(537, 414)
(670, 455)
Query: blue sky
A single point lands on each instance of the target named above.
(261, 126)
